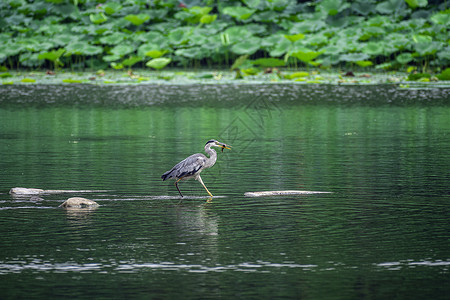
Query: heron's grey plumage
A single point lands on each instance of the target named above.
(192, 166)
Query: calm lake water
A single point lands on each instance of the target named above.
(383, 232)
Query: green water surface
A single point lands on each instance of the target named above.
(382, 232)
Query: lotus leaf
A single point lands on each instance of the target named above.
(265, 16)
(122, 50)
(281, 48)
(331, 49)
(5, 75)
(92, 50)
(391, 6)
(155, 53)
(112, 7)
(363, 7)
(109, 58)
(250, 71)
(384, 66)
(238, 12)
(305, 55)
(307, 26)
(272, 40)
(248, 46)
(295, 37)
(207, 19)
(417, 3)
(427, 48)
(63, 39)
(158, 63)
(195, 53)
(332, 7)
(404, 58)
(237, 34)
(269, 62)
(36, 46)
(354, 57)
(52, 55)
(298, 75)
(445, 75)
(113, 39)
(441, 18)
(180, 35)
(444, 54)
(373, 48)
(364, 63)
(240, 61)
(116, 66)
(28, 80)
(137, 19)
(98, 18)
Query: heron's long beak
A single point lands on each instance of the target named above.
(224, 146)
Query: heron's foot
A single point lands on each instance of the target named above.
(209, 200)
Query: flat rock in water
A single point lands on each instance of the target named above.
(19, 191)
(281, 193)
(79, 202)
(25, 191)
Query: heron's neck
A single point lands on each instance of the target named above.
(212, 157)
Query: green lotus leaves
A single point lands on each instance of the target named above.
(53, 56)
(417, 3)
(441, 18)
(121, 50)
(238, 12)
(332, 7)
(92, 50)
(281, 48)
(179, 36)
(391, 6)
(364, 63)
(98, 18)
(158, 63)
(424, 49)
(208, 19)
(354, 57)
(373, 48)
(193, 53)
(305, 55)
(269, 62)
(112, 7)
(137, 19)
(404, 58)
(96, 33)
(155, 53)
(295, 37)
(113, 39)
(248, 46)
(132, 60)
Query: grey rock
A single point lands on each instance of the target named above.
(79, 203)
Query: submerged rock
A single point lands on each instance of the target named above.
(25, 191)
(281, 193)
(79, 202)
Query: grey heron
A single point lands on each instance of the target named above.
(192, 166)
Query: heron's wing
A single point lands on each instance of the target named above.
(187, 167)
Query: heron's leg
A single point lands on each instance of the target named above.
(201, 181)
(176, 184)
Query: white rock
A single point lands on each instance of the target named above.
(281, 193)
(79, 202)
(25, 191)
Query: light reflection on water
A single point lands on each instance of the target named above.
(386, 165)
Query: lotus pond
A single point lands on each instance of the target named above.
(381, 150)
